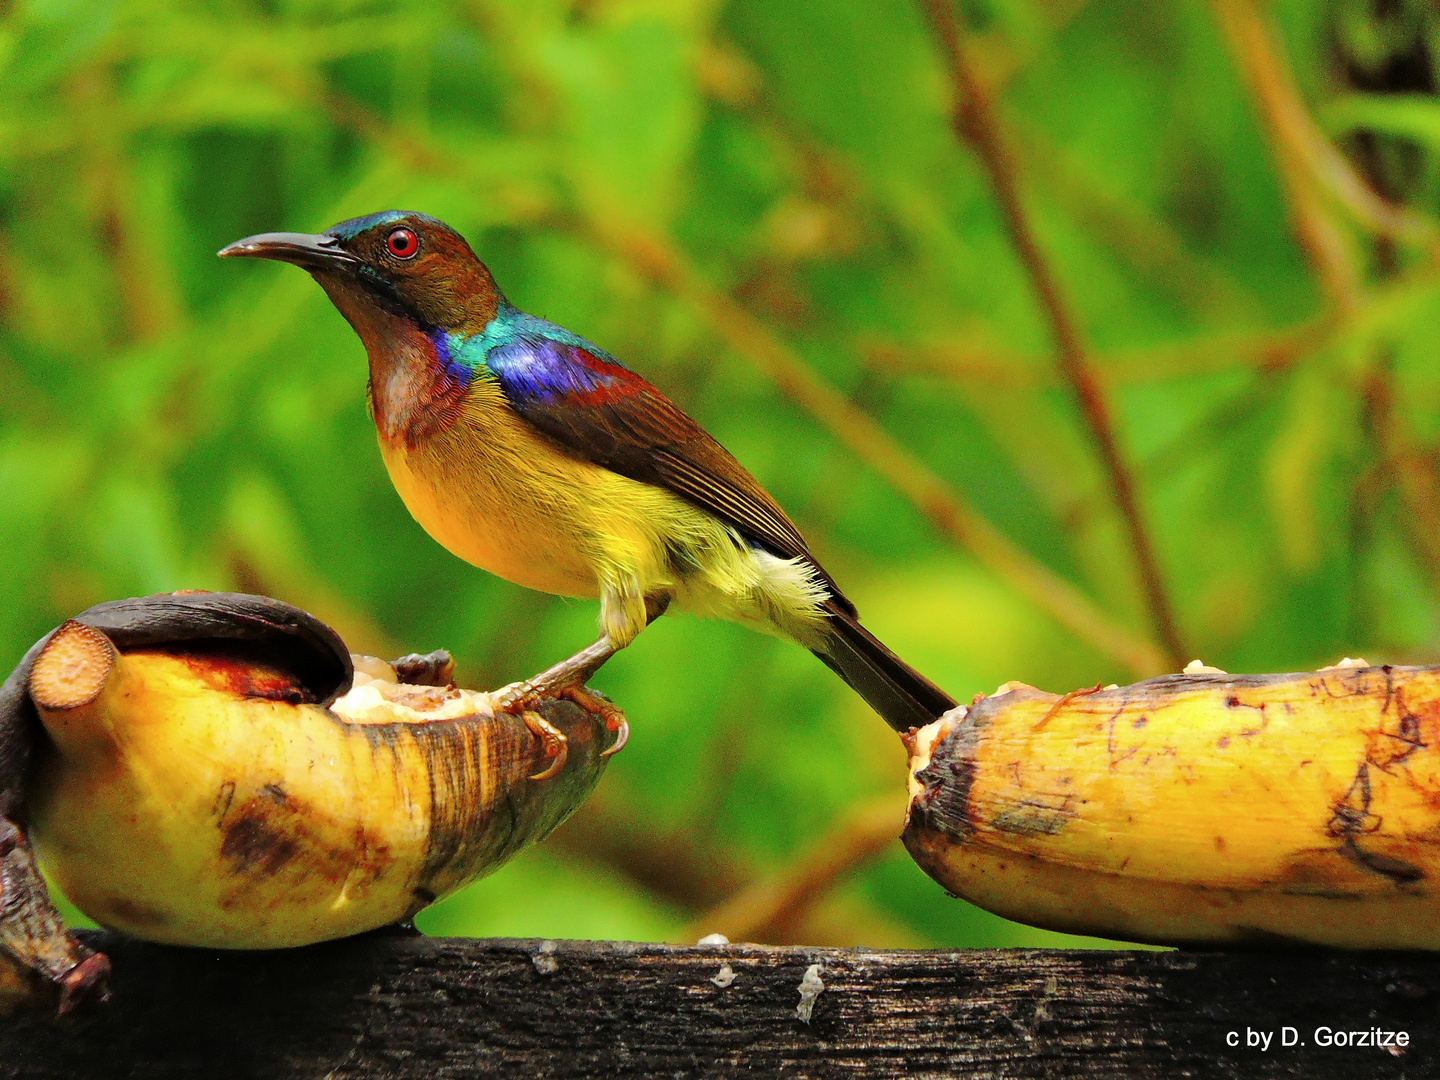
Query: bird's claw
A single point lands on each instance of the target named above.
(552, 740)
(622, 736)
(593, 703)
(522, 696)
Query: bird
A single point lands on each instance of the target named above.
(526, 450)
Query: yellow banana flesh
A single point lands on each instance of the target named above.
(1194, 809)
(185, 797)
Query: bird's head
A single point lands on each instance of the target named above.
(390, 274)
(411, 287)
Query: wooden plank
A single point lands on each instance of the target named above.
(405, 1006)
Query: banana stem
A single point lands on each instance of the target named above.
(73, 680)
(72, 669)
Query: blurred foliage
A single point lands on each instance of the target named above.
(170, 421)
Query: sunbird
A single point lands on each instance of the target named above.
(527, 451)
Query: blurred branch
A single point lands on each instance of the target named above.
(296, 583)
(1398, 460)
(683, 868)
(976, 125)
(1398, 463)
(969, 362)
(678, 865)
(1137, 237)
(1273, 354)
(1308, 160)
(1309, 165)
(1269, 351)
(1001, 54)
(982, 364)
(1418, 481)
(150, 304)
(769, 909)
(1293, 139)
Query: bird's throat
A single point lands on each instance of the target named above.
(411, 395)
(413, 391)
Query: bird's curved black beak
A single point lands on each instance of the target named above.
(312, 251)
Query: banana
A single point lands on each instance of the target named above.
(215, 772)
(1194, 809)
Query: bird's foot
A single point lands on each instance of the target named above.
(520, 700)
(522, 697)
(607, 710)
(565, 680)
(554, 742)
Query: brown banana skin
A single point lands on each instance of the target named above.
(1202, 809)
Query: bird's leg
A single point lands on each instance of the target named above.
(572, 670)
(567, 680)
(591, 701)
(564, 680)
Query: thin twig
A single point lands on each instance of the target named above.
(983, 365)
(1299, 139)
(1292, 136)
(977, 126)
(767, 910)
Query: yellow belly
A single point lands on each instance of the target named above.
(501, 498)
(497, 495)
(492, 522)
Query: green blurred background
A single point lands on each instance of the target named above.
(763, 206)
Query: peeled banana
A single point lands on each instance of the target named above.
(212, 769)
(1201, 808)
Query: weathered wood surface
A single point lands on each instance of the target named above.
(397, 1006)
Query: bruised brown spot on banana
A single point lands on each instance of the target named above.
(1201, 808)
(212, 769)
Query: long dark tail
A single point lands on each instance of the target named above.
(903, 697)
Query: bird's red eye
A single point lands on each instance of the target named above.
(402, 243)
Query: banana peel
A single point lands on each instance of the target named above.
(1197, 809)
(216, 770)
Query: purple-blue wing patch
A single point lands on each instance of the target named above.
(541, 371)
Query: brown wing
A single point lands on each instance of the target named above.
(600, 411)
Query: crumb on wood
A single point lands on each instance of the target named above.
(545, 963)
(810, 989)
